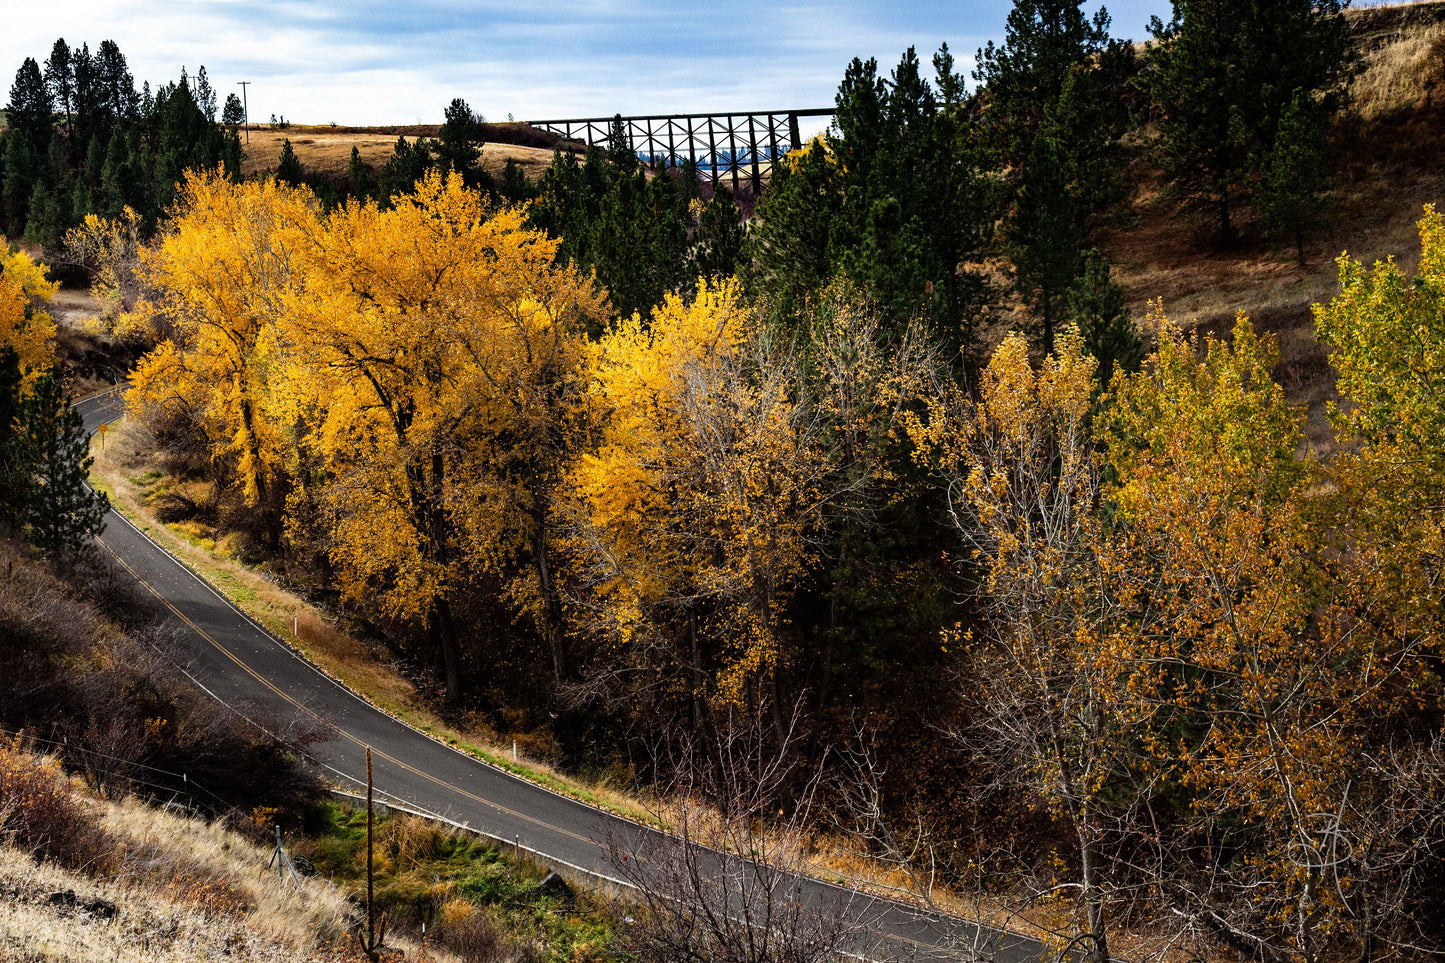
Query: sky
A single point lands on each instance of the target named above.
(372, 63)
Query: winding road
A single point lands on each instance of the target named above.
(243, 666)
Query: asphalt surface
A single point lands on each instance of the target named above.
(248, 669)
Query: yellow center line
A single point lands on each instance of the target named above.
(327, 722)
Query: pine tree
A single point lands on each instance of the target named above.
(62, 513)
(1293, 192)
(1222, 75)
(30, 112)
(1044, 237)
(80, 202)
(460, 142)
(60, 81)
(232, 153)
(205, 95)
(49, 217)
(1096, 308)
(16, 482)
(357, 177)
(115, 85)
(405, 166)
(1045, 41)
(95, 159)
(1052, 106)
(619, 146)
(515, 187)
(718, 242)
(288, 169)
(233, 115)
(22, 171)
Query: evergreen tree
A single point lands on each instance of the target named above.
(1223, 73)
(357, 178)
(116, 87)
(23, 170)
(405, 166)
(515, 187)
(459, 145)
(49, 217)
(233, 115)
(896, 201)
(1096, 307)
(619, 147)
(205, 95)
(30, 111)
(1052, 104)
(186, 139)
(1045, 41)
(16, 481)
(1293, 192)
(1044, 237)
(80, 202)
(232, 153)
(62, 512)
(718, 243)
(288, 169)
(60, 81)
(95, 159)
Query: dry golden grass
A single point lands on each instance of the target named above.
(184, 890)
(1402, 74)
(328, 150)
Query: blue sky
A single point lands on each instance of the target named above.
(399, 63)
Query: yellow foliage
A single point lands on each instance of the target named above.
(701, 499)
(25, 325)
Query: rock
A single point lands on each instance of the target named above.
(95, 906)
(556, 887)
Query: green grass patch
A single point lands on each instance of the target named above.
(453, 882)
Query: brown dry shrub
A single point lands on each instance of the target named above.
(40, 812)
(471, 934)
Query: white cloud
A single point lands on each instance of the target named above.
(377, 63)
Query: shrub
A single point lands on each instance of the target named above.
(40, 812)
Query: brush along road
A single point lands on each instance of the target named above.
(246, 668)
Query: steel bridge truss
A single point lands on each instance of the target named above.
(718, 145)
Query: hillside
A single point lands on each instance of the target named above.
(1387, 163)
(326, 149)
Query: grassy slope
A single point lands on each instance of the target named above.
(189, 890)
(327, 149)
(1388, 169)
(185, 890)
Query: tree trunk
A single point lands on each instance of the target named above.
(1093, 905)
(451, 651)
(551, 600)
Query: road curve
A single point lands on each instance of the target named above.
(245, 667)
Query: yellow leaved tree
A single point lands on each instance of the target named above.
(697, 510)
(218, 280)
(1274, 683)
(25, 326)
(433, 353)
(1058, 700)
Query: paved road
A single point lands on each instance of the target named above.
(245, 667)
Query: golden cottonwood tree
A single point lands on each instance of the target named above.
(218, 281)
(1272, 690)
(1385, 519)
(432, 351)
(1059, 700)
(696, 511)
(25, 325)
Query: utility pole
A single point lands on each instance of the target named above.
(245, 110)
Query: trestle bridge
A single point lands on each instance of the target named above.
(741, 144)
